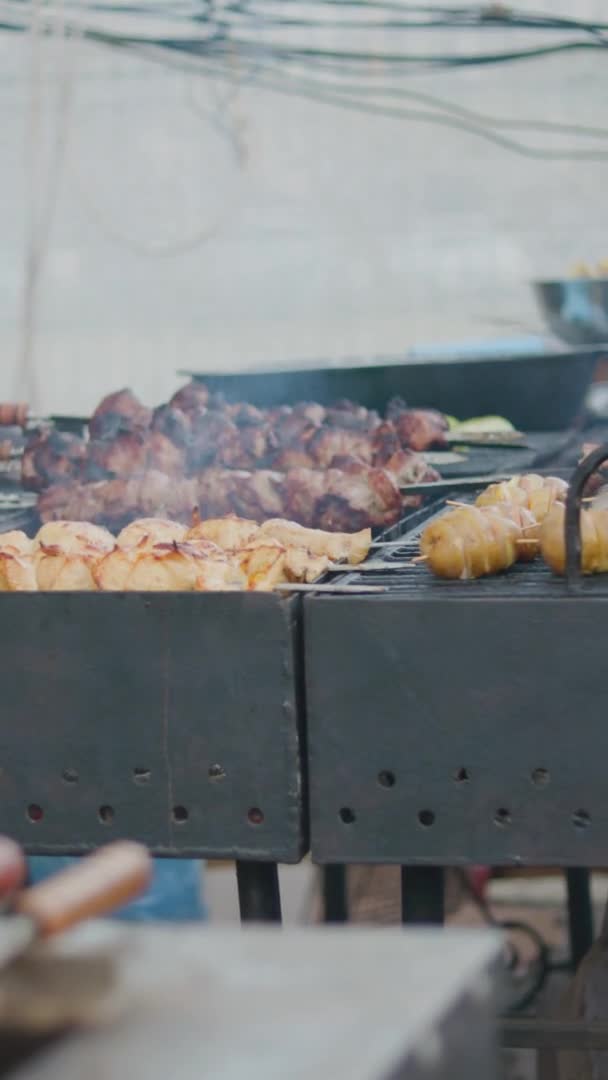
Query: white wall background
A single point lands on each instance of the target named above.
(338, 233)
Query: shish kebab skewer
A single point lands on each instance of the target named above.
(473, 541)
(158, 554)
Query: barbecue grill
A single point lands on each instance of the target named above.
(174, 719)
(460, 723)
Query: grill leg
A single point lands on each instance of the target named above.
(422, 899)
(335, 897)
(259, 896)
(580, 913)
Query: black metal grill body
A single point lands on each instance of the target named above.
(172, 719)
(459, 722)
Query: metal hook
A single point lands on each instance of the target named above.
(573, 512)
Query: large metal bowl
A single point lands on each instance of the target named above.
(575, 310)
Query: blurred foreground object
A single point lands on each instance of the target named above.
(350, 1005)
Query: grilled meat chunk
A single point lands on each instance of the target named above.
(52, 457)
(118, 412)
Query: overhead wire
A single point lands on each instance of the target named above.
(220, 53)
(42, 187)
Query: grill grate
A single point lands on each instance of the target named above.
(521, 580)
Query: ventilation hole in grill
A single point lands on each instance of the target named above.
(540, 777)
(255, 816)
(347, 816)
(581, 819)
(106, 814)
(386, 778)
(217, 772)
(426, 818)
(69, 776)
(461, 776)
(180, 814)
(502, 817)
(141, 776)
(34, 812)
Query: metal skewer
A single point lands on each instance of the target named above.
(342, 568)
(289, 586)
(503, 440)
(457, 483)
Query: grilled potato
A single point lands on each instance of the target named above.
(17, 573)
(470, 543)
(536, 493)
(349, 547)
(146, 532)
(594, 540)
(167, 567)
(66, 554)
(229, 532)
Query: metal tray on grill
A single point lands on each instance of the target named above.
(173, 719)
(539, 389)
(458, 722)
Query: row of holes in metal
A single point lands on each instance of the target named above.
(541, 777)
(143, 776)
(107, 814)
(581, 819)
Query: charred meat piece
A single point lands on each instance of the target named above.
(291, 427)
(419, 429)
(245, 415)
(351, 417)
(174, 423)
(255, 495)
(112, 501)
(385, 442)
(212, 432)
(327, 443)
(292, 457)
(119, 412)
(244, 448)
(302, 489)
(409, 467)
(52, 457)
(119, 456)
(192, 398)
(134, 453)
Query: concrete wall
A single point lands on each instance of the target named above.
(332, 232)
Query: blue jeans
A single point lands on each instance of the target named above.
(175, 894)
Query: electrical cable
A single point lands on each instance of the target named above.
(314, 91)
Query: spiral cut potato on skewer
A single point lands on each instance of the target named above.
(594, 540)
(470, 542)
(528, 543)
(537, 493)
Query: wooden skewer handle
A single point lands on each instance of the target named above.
(94, 886)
